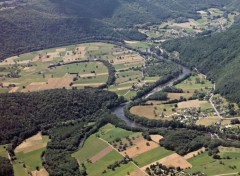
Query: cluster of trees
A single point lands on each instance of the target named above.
(159, 169)
(111, 74)
(184, 141)
(6, 168)
(116, 164)
(219, 59)
(161, 68)
(172, 90)
(159, 96)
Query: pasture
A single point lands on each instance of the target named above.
(29, 153)
(151, 156)
(3, 151)
(210, 166)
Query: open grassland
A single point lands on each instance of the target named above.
(3, 151)
(154, 111)
(91, 147)
(31, 159)
(210, 166)
(19, 170)
(194, 83)
(151, 156)
(138, 44)
(208, 121)
(110, 133)
(229, 152)
(29, 153)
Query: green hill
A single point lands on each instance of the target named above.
(36, 24)
(218, 56)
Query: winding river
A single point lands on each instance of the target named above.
(119, 111)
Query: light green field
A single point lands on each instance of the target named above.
(231, 152)
(151, 156)
(91, 147)
(3, 151)
(121, 92)
(98, 167)
(110, 133)
(130, 95)
(31, 159)
(210, 166)
(128, 75)
(190, 84)
(18, 169)
(81, 68)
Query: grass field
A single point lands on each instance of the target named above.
(29, 153)
(110, 133)
(191, 84)
(151, 156)
(31, 159)
(19, 170)
(210, 166)
(92, 146)
(3, 151)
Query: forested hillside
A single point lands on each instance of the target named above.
(218, 56)
(27, 113)
(30, 25)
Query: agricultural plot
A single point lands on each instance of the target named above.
(3, 151)
(210, 166)
(29, 153)
(195, 83)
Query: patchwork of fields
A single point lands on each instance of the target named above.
(103, 151)
(76, 66)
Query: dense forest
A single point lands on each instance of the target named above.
(38, 24)
(218, 56)
(6, 168)
(26, 113)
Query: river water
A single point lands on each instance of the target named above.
(119, 111)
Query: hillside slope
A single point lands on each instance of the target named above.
(218, 56)
(36, 24)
